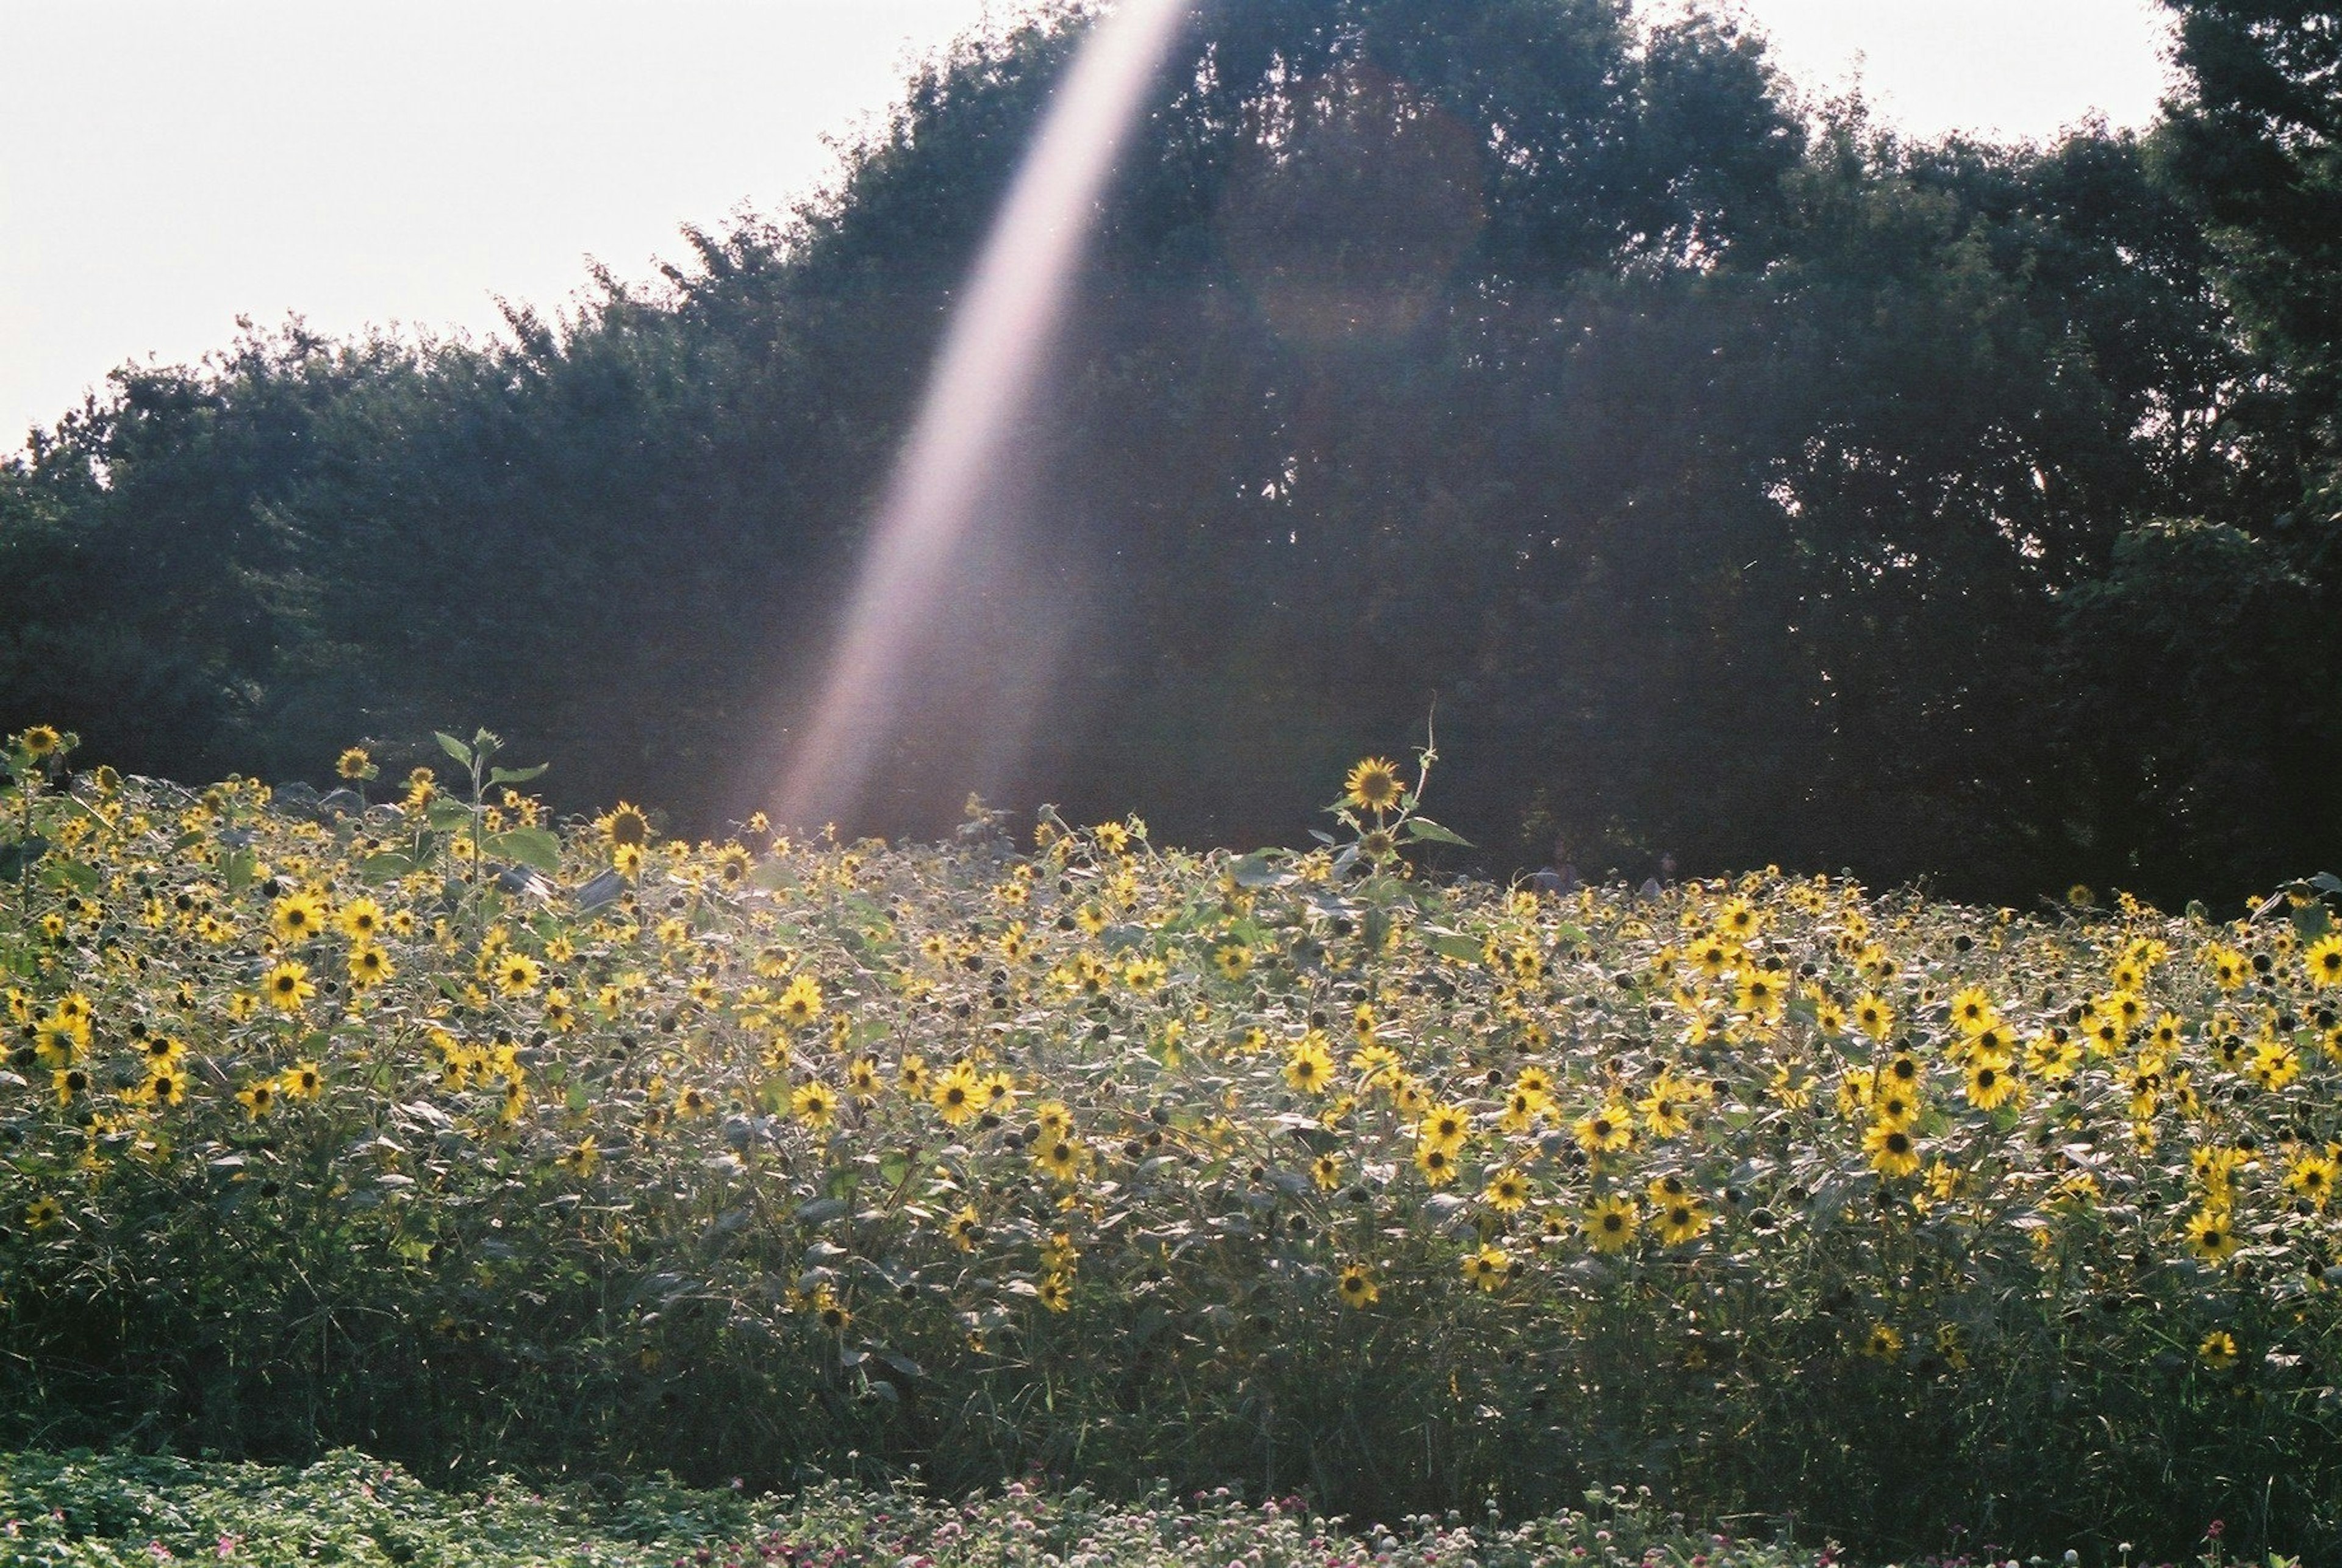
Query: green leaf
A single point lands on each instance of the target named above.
(529, 846)
(16, 857)
(448, 815)
(1419, 828)
(1259, 870)
(70, 873)
(1461, 948)
(387, 866)
(237, 868)
(454, 747)
(516, 776)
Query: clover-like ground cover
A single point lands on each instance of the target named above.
(482, 1141)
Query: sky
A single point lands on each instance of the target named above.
(168, 165)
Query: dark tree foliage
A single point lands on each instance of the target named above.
(1731, 477)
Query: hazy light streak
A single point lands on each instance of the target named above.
(985, 377)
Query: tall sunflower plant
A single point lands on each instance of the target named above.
(1383, 813)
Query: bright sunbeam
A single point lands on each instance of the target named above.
(984, 379)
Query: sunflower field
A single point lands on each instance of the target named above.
(401, 1117)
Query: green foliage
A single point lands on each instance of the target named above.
(1296, 1171)
(116, 1511)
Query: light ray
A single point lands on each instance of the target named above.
(985, 378)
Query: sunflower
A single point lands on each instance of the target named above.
(517, 973)
(624, 824)
(1325, 1171)
(1309, 1068)
(1436, 1162)
(1893, 1151)
(1684, 1220)
(966, 1228)
(355, 766)
(1446, 1125)
(813, 1104)
(1507, 1192)
(297, 917)
(1606, 1130)
(1610, 1224)
(1883, 1342)
(369, 966)
(958, 1095)
(288, 986)
(581, 1160)
(1990, 1083)
(2311, 1178)
(801, 1002)
(44, 1211)
(1374, 785)
(2210, 1237)
(2324, 961)
(1233, 960)
(1357, 1286)
(360, 919)
(2218, 1349)
(1488, 1268)
(302, 1081)
(1062, 1158)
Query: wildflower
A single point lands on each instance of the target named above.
(1435, 1161)
(625, 826)
(517, 974)
(1874, 1017)
(302, 1081)
(1893, 1151)
(297, 917)
(801, 1003)
(966, 1228)
(958, 1094)
(42, 1213)
(2218, 1349)
(355, 766)
(581, 1160)
(1684, 1220)
(1610, 1224)
(1325, 1171)
(1606, 1131)
(1373, 786)
(813, 1104)
(1990, 1083)
(2311, 1177)
(1883, 1342)
(1309, 1068)
(1057, 1293)
(2209, 1235)
(2324, 961)
(1233, 960)
(1488, 1268)
(37, 742)
(289, 987)
(1507, 1192)
(257, 1099)
(1357, 1286)
(369, 966)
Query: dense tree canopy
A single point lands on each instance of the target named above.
(1731, 476)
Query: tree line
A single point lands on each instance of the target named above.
(1733, 477)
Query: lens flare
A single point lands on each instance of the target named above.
(985, 379)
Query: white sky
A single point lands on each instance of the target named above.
(169, 165)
